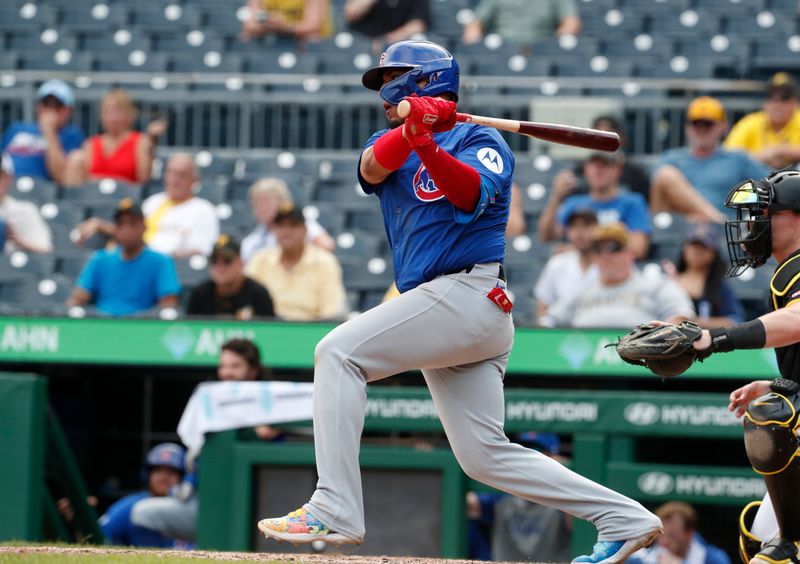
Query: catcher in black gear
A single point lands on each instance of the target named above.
(767, 224)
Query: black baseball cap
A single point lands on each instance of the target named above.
(226, 247)
(587, 214)
(290, 212)
(783, 85)
(128, 206)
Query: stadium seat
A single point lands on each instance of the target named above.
(365, 217)
(100, 192)
(33, 189)
(191, 271)
(24, 263)
(358, 244)
(361, 275)
(329, 214)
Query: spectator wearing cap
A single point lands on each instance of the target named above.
(700, 271)
(681, 543)
(130, 278)
(387, 21)
(523, 21)
(506, 528)
(228, 292)
(266, 197)
(633, 177)
(178, 223)
(164, 469)
(601, 172)
(305, 281)
(40, 149)
(120, 152)
(25, 230)
(569, 272)
(772, 135)
(622, 296)
(704, 164)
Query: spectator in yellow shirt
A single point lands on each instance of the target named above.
(305, 20)
(771, 135)
(304, 281)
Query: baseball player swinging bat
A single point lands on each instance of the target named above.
(553, 132)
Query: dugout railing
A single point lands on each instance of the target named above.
(604, 426)
(39, 469)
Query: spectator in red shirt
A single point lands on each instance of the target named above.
(120, 152)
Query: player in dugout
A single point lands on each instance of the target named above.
(444, 189)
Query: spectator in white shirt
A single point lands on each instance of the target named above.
(266, 197)
(177, 222)
(568, 272)
(25, 228)
(622, 296)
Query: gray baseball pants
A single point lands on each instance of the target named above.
(461, 340)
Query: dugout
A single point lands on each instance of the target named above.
(651, 439)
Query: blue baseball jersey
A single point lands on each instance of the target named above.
(24, 143)
(428, 235)
(118, 529)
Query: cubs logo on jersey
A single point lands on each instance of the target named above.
(424, 187)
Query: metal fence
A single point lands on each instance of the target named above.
(335, 113)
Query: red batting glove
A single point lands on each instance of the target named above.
(428, 116)
(425, 107)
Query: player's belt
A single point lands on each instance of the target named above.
(501, 274)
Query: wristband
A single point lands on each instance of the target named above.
(747, 335)
(391, 149)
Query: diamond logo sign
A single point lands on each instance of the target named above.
(575, 349)
(178, 340)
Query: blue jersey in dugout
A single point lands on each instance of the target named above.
(428, 235)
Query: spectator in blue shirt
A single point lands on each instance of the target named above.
(601, 172)
(130, 278)
(165, 469)
(680, 543)
(704, 164)
(40, 149)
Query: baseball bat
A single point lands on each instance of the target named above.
(553, 132)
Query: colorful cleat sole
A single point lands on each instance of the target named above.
(301, 527)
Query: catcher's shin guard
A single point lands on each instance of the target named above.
(749, 544)
(771, 444)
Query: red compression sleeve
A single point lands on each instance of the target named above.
(460, 183)
(391, 149)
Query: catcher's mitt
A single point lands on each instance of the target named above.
(665, 349)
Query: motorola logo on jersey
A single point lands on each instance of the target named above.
(424, 186)
(491, 159)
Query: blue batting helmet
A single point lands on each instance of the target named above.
(420, 60)
(166, 454)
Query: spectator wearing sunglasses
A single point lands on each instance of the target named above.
(703, 163)
(39, 149)
(772, 135)
(228, 292)
(622, 296)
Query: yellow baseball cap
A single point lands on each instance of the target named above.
(615, 231)
(706, 108)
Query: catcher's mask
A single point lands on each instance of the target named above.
(749, 236)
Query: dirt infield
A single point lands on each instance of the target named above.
(139, 555)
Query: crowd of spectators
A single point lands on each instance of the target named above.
(286, 266)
